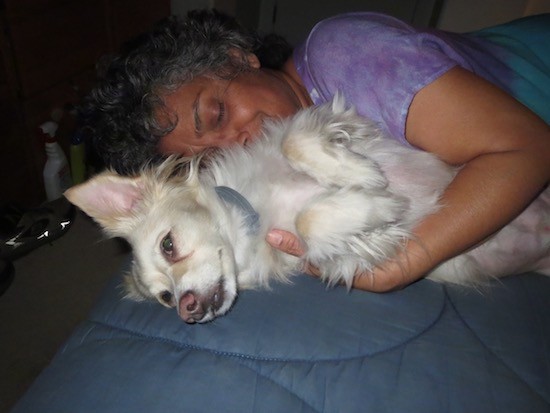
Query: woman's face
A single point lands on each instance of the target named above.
(214, 112)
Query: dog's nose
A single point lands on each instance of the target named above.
(190, 308)
(193, 306)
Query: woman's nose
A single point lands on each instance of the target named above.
(241, 132)
(242, 137)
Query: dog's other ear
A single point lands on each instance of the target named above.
(338, 104)
(107, 198)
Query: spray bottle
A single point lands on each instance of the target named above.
(57, 175)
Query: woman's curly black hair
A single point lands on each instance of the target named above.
(118, 116)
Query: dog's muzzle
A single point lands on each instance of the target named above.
(193, 306)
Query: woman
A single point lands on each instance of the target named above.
(200, 83)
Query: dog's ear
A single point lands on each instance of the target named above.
(338, 104)
(108, 198)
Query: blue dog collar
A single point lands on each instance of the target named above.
(252, 218)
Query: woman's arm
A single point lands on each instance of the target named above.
(505, 152)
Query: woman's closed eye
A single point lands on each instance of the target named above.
(221, 114)
(215, 115)
(208, 116)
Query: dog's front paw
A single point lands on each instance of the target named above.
(330, 163)
(362, 225)
(344, 212)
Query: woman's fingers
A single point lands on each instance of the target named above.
(389, 277)
(285, 241)
(289, 243)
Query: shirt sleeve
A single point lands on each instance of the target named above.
(377, 62)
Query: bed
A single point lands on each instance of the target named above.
(305, 348)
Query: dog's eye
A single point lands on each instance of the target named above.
(167, 246)
(166, 296)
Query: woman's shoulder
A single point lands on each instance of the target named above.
(378, 62)
(352, 25)
(354, 37)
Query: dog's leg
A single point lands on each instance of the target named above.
(323, 154)
(351, 228)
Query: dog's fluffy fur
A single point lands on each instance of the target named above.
(352, 195)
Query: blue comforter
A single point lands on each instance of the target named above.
(305, 348)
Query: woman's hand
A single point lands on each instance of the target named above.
(392, 276)
(286, 242)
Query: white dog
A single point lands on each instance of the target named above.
(352, 195)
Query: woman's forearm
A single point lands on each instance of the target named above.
(486, 194)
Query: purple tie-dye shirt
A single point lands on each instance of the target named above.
(379, 63)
